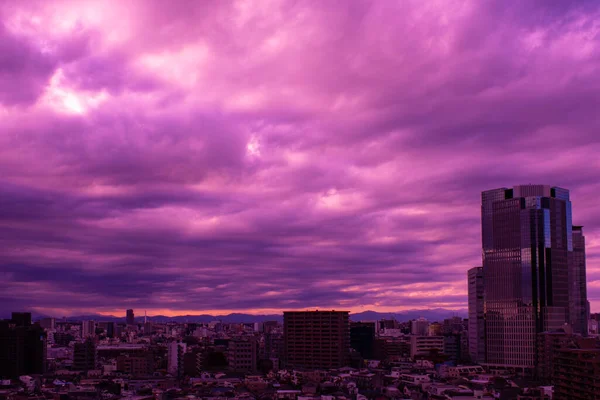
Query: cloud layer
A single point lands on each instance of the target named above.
(259, 156)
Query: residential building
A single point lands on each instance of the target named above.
(549, 344)
(22, 347)
(577, 374)
(527, 239)
(88, 328)
(141, 365)
(242, 354)
(362, 338)
(85, 355)
(476, 315)
(48, 323)
(175, 353)
(420, 327)
(316, 339)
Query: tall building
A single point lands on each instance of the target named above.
(578, 304)
(420, 327)
(88, 328)
(476, 316)
(130, 318)
(22, 347)
(175, 353)
(527, 238)
(85, 355)
(362, 338)
(316, 339)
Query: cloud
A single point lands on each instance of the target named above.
(235, 156)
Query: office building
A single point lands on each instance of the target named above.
(22, 347)
(426, 345)
(576, 373)
(362, 338)
(476, 316)
(85, 355)
(242, 354)
(420, 327)
(316, 339)
(130, 317)
(578, 304)
(527, 239)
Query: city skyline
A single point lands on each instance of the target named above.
(222, 157)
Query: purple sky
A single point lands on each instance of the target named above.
(258, 156)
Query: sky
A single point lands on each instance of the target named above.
(257, 156)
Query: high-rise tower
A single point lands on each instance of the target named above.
(130, 318)
(529, 270)
(476, 321)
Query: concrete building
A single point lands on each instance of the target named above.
(316, 339)
(549, 344)
(424, 345)
(85, 355)
(476, 315)
(130, 317)
(578, 304)
(175, 353)
(88, 328)
(420, 327)
(142, 365)
(576, 373)
(362, 338)
(22, 347)
(48, 323)
(242, 354)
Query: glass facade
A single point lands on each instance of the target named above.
(530, 270)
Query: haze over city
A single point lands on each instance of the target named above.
(199, 157)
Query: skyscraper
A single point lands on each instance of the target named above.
(578, 304)
(316, 339)
(527, 238)
(130, 318)
(476, 317)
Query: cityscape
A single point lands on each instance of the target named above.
(299, 200)
(529, 335)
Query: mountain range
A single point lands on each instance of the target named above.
(435, 314)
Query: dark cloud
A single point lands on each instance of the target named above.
(234, 156)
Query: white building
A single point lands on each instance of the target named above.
(175, 358)
(423, 345)
(88, 328)
(420, 327)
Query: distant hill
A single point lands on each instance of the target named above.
(435, 314)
